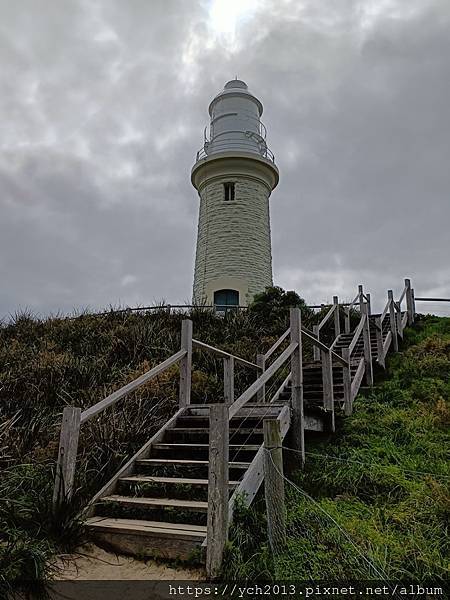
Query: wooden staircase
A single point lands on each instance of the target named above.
(159, 507)
(159, 503)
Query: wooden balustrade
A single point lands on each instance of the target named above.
(277, 344)
(409, 301)
(228, 380)
(392, 321)
(298, 417)
(73, 418)
(347, 312)
(186, 363)
(334, 312)
(218, 477)
(347, 381)
(337, 323)
(223, 354)
(261, 362)
(274, 485)
(219, 506)
(262, 379)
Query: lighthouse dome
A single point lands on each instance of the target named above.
(235, 124)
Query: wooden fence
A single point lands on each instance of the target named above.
(355, 360)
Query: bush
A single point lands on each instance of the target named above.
(271, 307)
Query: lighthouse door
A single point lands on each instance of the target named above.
(226, 298)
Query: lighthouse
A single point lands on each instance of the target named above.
(234, 175)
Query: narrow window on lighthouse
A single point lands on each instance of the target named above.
(228, 191)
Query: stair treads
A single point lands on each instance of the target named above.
(175, 446)
(206, 430)
(188, 417)
(185, 462)
(156, 528)
(157, 502)
(175, 480)
(265, 405)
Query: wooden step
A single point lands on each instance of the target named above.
(148, 538)
(175, 446)
(233, 420)
(195, 505)
(169, 480)
(162, 462)
(205, 430)
(198, 531)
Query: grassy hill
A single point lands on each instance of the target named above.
(372, 487)
(46, 364)
(373, 500)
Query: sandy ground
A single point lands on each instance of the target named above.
(92, 563)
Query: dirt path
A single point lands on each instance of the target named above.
(92, 563)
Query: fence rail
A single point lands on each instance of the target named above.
(432, 299)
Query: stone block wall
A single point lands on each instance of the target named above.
(233, 238)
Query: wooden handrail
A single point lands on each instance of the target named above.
(358, 377)
(387, 342)
(357, 333)
(323, 346)
(354, 301)
(385, 311)
(379, 322)
(326, 317)
(404, 320)
(402, 296)
(224, 354)
(280, 389)
(262, 379)
(278, 343)
(130, 387)
(334, 343)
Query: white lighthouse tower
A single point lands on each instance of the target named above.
(234, 175)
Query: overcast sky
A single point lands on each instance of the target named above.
(102, 109)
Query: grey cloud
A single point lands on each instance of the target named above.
(102, 110)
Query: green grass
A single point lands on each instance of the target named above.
(374, 497)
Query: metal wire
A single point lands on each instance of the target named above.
(377, 570)
(368, 464)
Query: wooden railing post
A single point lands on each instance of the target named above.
(261, 362)
(367, 347)
(228, 380)
(217, 519)
(337, 324)
(67, 455)
(409, 302)
(316, 352)
(274, 485)
(347, 320)
(369, 305)
(186, 363)
(379, 334)
(361, 297)
(347, 375)
(392, 322)
(327, 379)
(413, 302)
(298, 420)
(399, 320)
